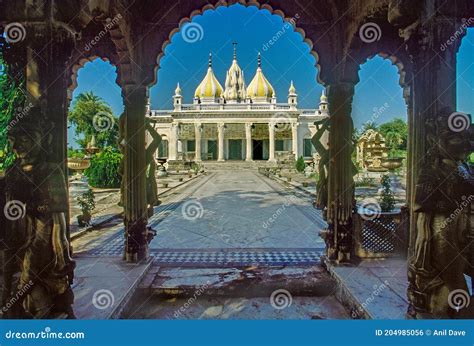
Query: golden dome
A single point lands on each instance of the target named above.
(177, 91)
(292, 90)
(324, 98)
(210, 86)
(260, 87)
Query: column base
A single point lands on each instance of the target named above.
(249, 160)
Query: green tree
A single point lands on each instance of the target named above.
(91, 115)
(395, 133)
(11, 99)
(369, 125)
(104, 169)
(299, 164)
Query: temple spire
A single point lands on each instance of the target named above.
(259, 60)
(210, 59)
(235, 50)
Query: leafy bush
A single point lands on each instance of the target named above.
(300, 165)
(75, 153)
(11, 100)
(104, 169)
(86, 202)
(388, 200)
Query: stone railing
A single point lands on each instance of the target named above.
(381, 236)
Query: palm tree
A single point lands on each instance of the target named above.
(92, 116)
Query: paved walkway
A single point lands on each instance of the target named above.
(240, 209)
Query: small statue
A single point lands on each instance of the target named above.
(443, 205)
(36, 197)
(151, 186)
(322, 126)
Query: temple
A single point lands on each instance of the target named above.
(236, 122)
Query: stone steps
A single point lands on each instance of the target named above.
(246, 282)
(236, 165)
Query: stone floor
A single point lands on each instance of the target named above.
(240, 209)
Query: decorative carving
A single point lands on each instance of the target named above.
(443, 203)
(37, 197)
(151, 186)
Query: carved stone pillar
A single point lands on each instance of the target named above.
(248, 141)
(295, 139)
(173, 143)
(45, 52)
(220, 135)
(340, 173)
(433, 98)
(197, 138)
(135, 204)
(271, 136)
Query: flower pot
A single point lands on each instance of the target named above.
(84, 219)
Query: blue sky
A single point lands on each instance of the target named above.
(378, 95)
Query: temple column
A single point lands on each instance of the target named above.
(40, 61)
(433, 100)
(135, 204)
(173, 143)
(220, 135)
(248, 139)
(197, 138)
(271, 136)
(340, 173)
(294, 138)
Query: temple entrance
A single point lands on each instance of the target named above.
(235, 149)
(212, 150)
(257, 151)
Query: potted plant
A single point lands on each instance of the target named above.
(87, 204)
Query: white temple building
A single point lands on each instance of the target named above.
(236, 122)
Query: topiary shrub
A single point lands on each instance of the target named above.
(387, 202)
(104, 169)
(300, 165)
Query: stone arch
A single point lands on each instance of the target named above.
(261, 6)
(74, 70)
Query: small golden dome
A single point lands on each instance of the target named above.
(177, 91)
(260, 87)
(292, 90)
(210, 86)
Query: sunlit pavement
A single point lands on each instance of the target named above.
(240, 209)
